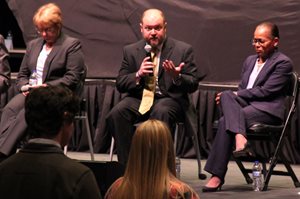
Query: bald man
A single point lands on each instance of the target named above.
(175, 75)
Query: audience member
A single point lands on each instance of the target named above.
(40, 169)
(157, 82)
(4, 67)
(56, 58)
(150, 171)
(260, 98)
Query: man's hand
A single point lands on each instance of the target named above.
(146, 67)
(169, 66)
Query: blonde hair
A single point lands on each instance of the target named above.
(150, 169)
(48, 14)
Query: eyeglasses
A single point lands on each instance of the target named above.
(259, 41)
(46, 30)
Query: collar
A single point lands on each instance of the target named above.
(44, 141)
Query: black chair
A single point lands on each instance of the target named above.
(274, 134)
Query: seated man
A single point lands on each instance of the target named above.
(157, 73)
(40, 169)
(4, 67)
(260, 98)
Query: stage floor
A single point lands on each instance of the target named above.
(235, 185)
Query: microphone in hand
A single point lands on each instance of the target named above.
(148, 49)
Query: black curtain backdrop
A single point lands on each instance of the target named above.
(220, 31)
(101, 96)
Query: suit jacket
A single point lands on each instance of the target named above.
(172, 49)
(64, 65)
(269, 89)
(4, 67)
(43, 171)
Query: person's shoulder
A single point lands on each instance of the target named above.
(281, 56)
(176, 42)
(69, 39)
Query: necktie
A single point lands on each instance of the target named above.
(149, 90)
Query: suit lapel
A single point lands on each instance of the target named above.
(140, 54)
(55, 49)
(165, 54)
(265, 70)
(36, 49)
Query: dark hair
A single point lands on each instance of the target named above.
(47, 108)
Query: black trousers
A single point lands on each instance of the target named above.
(124, 115)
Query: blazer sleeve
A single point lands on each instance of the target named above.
(126, 79)
(4, 67)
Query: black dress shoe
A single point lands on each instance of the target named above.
(246, 151)
(213, 189)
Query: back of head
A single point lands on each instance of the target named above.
(151, 162)
(48, 108)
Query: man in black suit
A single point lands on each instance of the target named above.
(175, 75)
(40, 169)
(260, 98)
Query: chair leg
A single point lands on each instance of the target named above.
(244, 171)
(179, 128)
(176, 137)
(201, 176)
(111, 152)
(291, 172)
(89, 136)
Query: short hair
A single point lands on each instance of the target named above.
(273, 27)
(48, 14)
(48, 108)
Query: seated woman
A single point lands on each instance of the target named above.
(56, 58)
(150, 171)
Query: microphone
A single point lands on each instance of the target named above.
(148, 49)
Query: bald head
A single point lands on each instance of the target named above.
(153, 14)
(271, 27)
